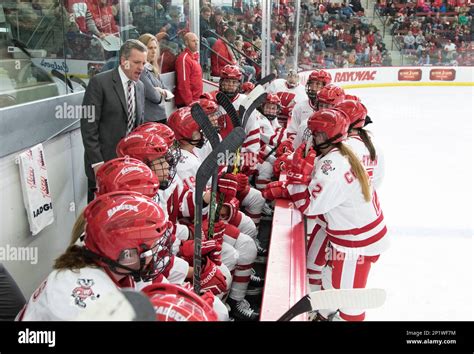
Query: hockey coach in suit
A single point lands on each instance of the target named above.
(115, 99)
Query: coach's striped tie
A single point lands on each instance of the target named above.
(131, 107)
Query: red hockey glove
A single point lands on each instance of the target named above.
(227, 186)
(281, 164)
(242, 182)
(276, 190)
(208, 297)
(214, 246)
(212, 279)
(301, 167)
(284, 147)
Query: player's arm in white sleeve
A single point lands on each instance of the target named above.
(323, 193)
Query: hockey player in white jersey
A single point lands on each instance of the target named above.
(361, 142)
(317, 79)
(126, 241)
(272, 134)
(187, 131)
(337, 187)
(178, 202)
(250, 199)
(290, 92)
(326, 97)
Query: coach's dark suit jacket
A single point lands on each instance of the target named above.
(100, 136)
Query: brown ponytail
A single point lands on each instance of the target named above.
(74, 257)
(357, 168)
(364, 135)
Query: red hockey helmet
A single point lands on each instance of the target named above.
(209, 106)
(183, 124)
(247, 87)
(330, 95)
(324, 76)
(271, 107)
(273, 98)
(229, 83)
(143, 146)
(231, 72)
(129, 233)
(355, 111)
(175, 303)
(351, 97)
(126, 174)
(161, 129)
(328, 126)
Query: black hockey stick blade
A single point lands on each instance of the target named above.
(205, 124)
(334, 299)
(205, 171)
(225, 102)
(266, 79)
(256, 103)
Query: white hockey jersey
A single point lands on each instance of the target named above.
(279, 85)
(252, 141)
(299, 116)
(65, 294)
(353, 225)
(271, 132)
(375, 169)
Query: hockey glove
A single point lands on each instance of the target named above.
(276, 190)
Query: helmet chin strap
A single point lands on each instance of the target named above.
(271, 116)
(113, 265)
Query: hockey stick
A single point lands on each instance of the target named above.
(265, 80)
(205, 124)
(257, 102)
(210, 132)
(205, 171)
(335, 299)
(229, 108)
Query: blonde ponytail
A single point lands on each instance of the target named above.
(358, 170)
(78, 228)
(74, 258)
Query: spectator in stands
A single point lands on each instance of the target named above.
(188, 73)
(346, 12)
(207, 38)
(409, 41)
(424, 59)
(100, 19)
(223, 53)
(217, 22)
(155, 94)
(449, 50)
(356, 6)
